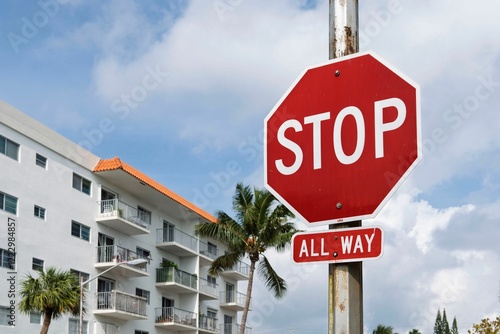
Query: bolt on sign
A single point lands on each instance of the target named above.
(342, 139)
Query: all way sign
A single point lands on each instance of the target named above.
(340, 245)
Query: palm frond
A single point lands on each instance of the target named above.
(271, 279)
(224, 262)
(242, 201)
(263, 205)
(282, 241)
(226, 230)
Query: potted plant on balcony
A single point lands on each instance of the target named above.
(169, 273)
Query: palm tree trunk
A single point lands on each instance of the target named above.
(47, 317)
(249, 296)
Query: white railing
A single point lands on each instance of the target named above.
(175, 315)
(233, 329)
(241, 267)
(208, 250)
(120, 301)
(164, 235)
(207, 323)
(116, 208)
(229, 297)
(208, 287)
(117, 254)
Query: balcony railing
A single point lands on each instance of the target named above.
(120, 301)
(241, 267)
(175, 315)
(116, 253)
(207, 323)
(208, 287)
(233, 329)
(208, 250)
(171, 275)
(170, 235)
(114, 207)
(238, 272)
(232, 297)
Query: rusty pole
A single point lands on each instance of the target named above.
(345, 281)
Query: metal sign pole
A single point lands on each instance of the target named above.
(345, 281)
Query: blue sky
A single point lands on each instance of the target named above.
(182, 88)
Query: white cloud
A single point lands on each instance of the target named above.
(238, 66)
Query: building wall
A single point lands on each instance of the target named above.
(50, 239)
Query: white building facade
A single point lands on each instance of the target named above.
(62, 206)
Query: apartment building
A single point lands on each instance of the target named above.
(62, 206)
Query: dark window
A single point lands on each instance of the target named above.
(82, 184)
(41, 161)
(39, 212)
(211, 280)
(37, 264)
(9, 148)
(142, 293)
(80, 275)
(7, 259)
(8, 203)
(80, 231)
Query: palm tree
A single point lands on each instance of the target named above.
(383, 330)
(414, 331)
(53, 293)
(261, 223)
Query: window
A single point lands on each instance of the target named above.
(74, 326)
(9, 148)
(143, 253)
(144, 215)
(228, 324)
(140, 332)
(211, 313)
(211, 280)
(79, 183)
(8, 203)
(142, 293)
(212, 249)
(4, 316)
(80, 231)
(7, 259)
(37, 264)
(35, 318)
(41, 161)
(39, 212)
(80, 275)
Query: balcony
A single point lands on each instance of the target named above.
(233, 329)
(207, 325)
(176, 242)
(123, 217)
(175, 280)
(239, 272)
(232, 300)
(109, 256)
(174, 319)
(207, 290)
(120, 305)
(208, 253)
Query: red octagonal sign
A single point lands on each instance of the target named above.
(342, 139)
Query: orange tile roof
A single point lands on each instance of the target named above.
(115, 164)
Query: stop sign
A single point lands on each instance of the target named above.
(342, 139)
